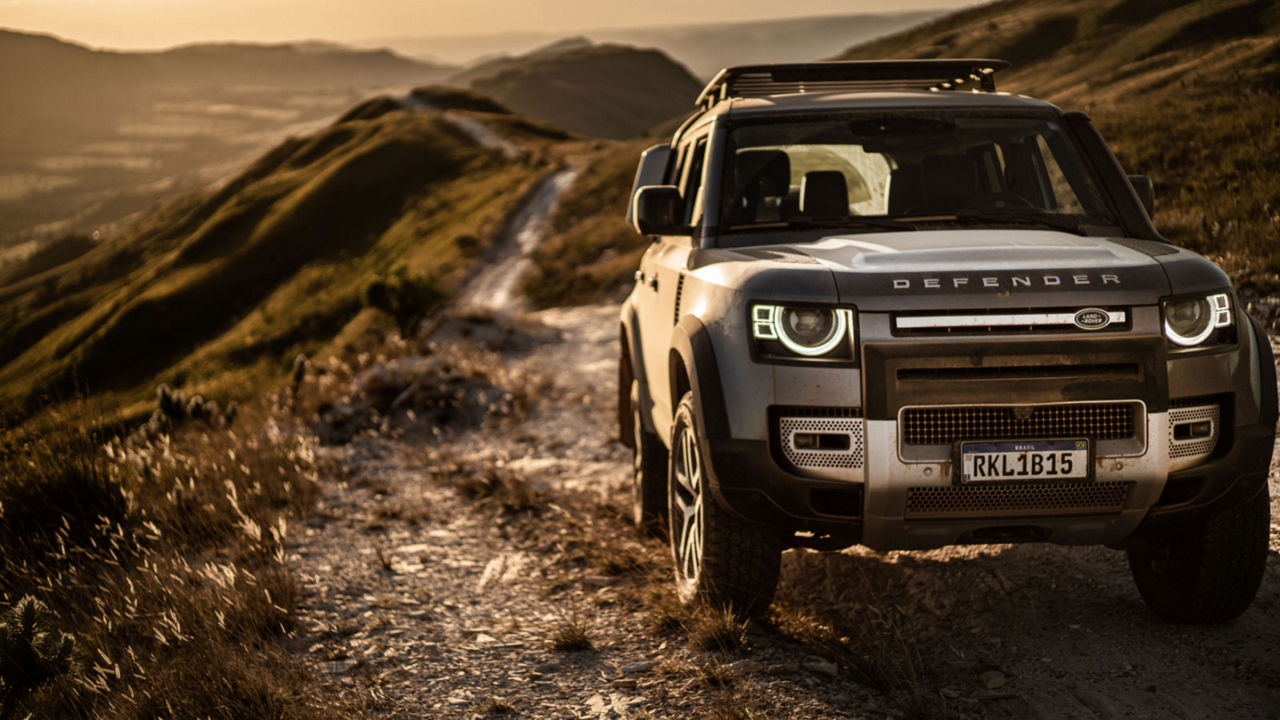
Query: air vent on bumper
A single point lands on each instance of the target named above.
(824, 447)
(1193, 433)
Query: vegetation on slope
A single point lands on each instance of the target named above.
(218, 293)
(591, 252)
(159, 562)
(1185, 91)
(142, 565)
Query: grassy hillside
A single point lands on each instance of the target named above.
(608, 91)
(592, 252)
(143, 570)
(1185, 90)
(217, 293)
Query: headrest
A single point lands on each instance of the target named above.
(824, 194)
(769, 170)
(948, 176)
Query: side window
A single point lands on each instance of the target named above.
(675, 167)
(691, 189)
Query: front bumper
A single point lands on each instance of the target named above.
(1134, 491)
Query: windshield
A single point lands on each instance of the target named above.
(874, 172)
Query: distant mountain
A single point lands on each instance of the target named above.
(43, 69)
(609, 91)
(296, 66)
(703, 48)
(88, 137)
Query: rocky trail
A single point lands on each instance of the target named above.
(445, 574)
(470, 557)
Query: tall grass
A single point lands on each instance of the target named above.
(163, 560)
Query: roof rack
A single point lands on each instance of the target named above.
(844, 76)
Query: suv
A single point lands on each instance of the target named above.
(886, 304)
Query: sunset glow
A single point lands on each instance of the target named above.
(160, 23)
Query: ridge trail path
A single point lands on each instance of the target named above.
(421, 601)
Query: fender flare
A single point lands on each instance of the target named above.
(1268, 405)
(692, 352)
(629, 368)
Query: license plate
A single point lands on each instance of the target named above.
(1024, 460)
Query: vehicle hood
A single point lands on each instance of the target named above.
(985, 268)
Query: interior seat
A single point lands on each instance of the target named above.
(762, 179)
(947, 184)
(824, 194)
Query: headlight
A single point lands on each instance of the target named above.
(810, 332)
(1195, 321)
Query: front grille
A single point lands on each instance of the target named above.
(1017, 499)
(946, 425)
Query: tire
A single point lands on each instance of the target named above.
(1207, 572)
(648, 473)
(720, 558)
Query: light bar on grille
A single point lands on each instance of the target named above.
(947, 322)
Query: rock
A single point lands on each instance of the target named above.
(822, 667)
(993, 679)
(338, 667)
(637, 667)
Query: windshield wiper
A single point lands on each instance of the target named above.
(851, 222)
(1046, 220)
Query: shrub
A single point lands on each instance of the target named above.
(406, 298)
(31, 652)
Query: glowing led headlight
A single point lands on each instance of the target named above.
(1189, 322)
(805, 331)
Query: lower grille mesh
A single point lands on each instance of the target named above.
(1017, 499)
(946, 425)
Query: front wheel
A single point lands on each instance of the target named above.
(1209, 571)
(720, 559)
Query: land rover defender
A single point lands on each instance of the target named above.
(886, 304)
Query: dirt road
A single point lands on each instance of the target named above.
(438, 601)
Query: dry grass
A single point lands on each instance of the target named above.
(570, 634)
(163, 558)
(717, 629)
(714, 674)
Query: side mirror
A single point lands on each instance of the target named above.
(658, 210)
(652, 170)
(1146, 192)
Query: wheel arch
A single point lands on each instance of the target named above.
(631, 368)
(694, 369)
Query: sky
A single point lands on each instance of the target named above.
(162, 23)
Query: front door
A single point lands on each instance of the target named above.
(661, 271)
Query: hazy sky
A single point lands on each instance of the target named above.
(158, 23)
